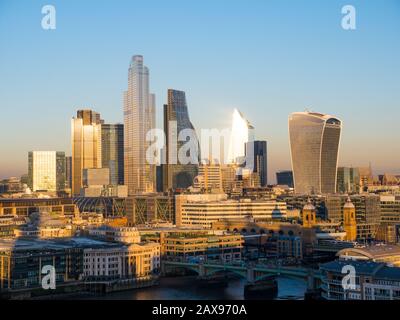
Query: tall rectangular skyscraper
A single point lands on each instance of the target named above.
(112, 151)
(46, 170)
(314, 146)
(139, 119)
(86, 145)
(260, 162)
(176, 118)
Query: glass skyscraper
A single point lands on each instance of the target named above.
(86, 145)
(177, 175)
(112, 151)
(259, 164)
(46, 170)
(314, 144)
(139, 118)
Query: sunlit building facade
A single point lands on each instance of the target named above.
(46, 170)
(314, 144)
(139, 118)
(241, 133)
(86, 145)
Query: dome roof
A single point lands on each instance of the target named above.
(349, 204)
(309, 205)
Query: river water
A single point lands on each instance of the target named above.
(186, 288)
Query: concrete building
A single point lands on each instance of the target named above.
(209, 178)
(199, 246)
(373, 281)
(203, 210)
(389, 254)
(285, 177)
(24, 207)
(121, 261)
(314, 145)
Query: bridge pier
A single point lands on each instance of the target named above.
(250, 275)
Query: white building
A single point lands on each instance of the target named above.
(202, 210)
(121, 261)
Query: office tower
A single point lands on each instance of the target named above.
(112, 151)
(241, 133)
(259, 151)
(86, 145)
(348, 180)
(314, 143)
(366, 177)
(139, 119)
(285, 178)
(159, 178)
(46, 170)
(349, 220)
(176, 118)
(209, 178)
(68, 172)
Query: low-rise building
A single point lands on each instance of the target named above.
(372, 281)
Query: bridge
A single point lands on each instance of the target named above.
(252, 273)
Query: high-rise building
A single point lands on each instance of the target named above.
(176, 118)
(86, 145)
(259, 151)
(348, 180)
(314, 144)
(285, 177)
(112, 151)
(139, 119)
(209, 178)
(68, 172)
(241, 133)
(46, 170)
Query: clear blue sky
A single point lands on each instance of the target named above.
(266, 58)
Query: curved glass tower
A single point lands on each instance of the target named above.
(314, 145)
(177, 175)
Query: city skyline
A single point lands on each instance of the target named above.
(362, 75)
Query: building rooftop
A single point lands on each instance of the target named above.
(20, 244)
(377, 269)
(371, 252)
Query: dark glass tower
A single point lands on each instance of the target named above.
(176, 175)
(259, 160)
(112, 151)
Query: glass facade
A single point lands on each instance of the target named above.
(139, 118)
(314, 144)
(86, 145)
(46, 170)
(112, 149)
(177, 175)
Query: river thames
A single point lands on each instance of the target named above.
(187, 288)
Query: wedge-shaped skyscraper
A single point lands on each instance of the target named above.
(314, 144)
